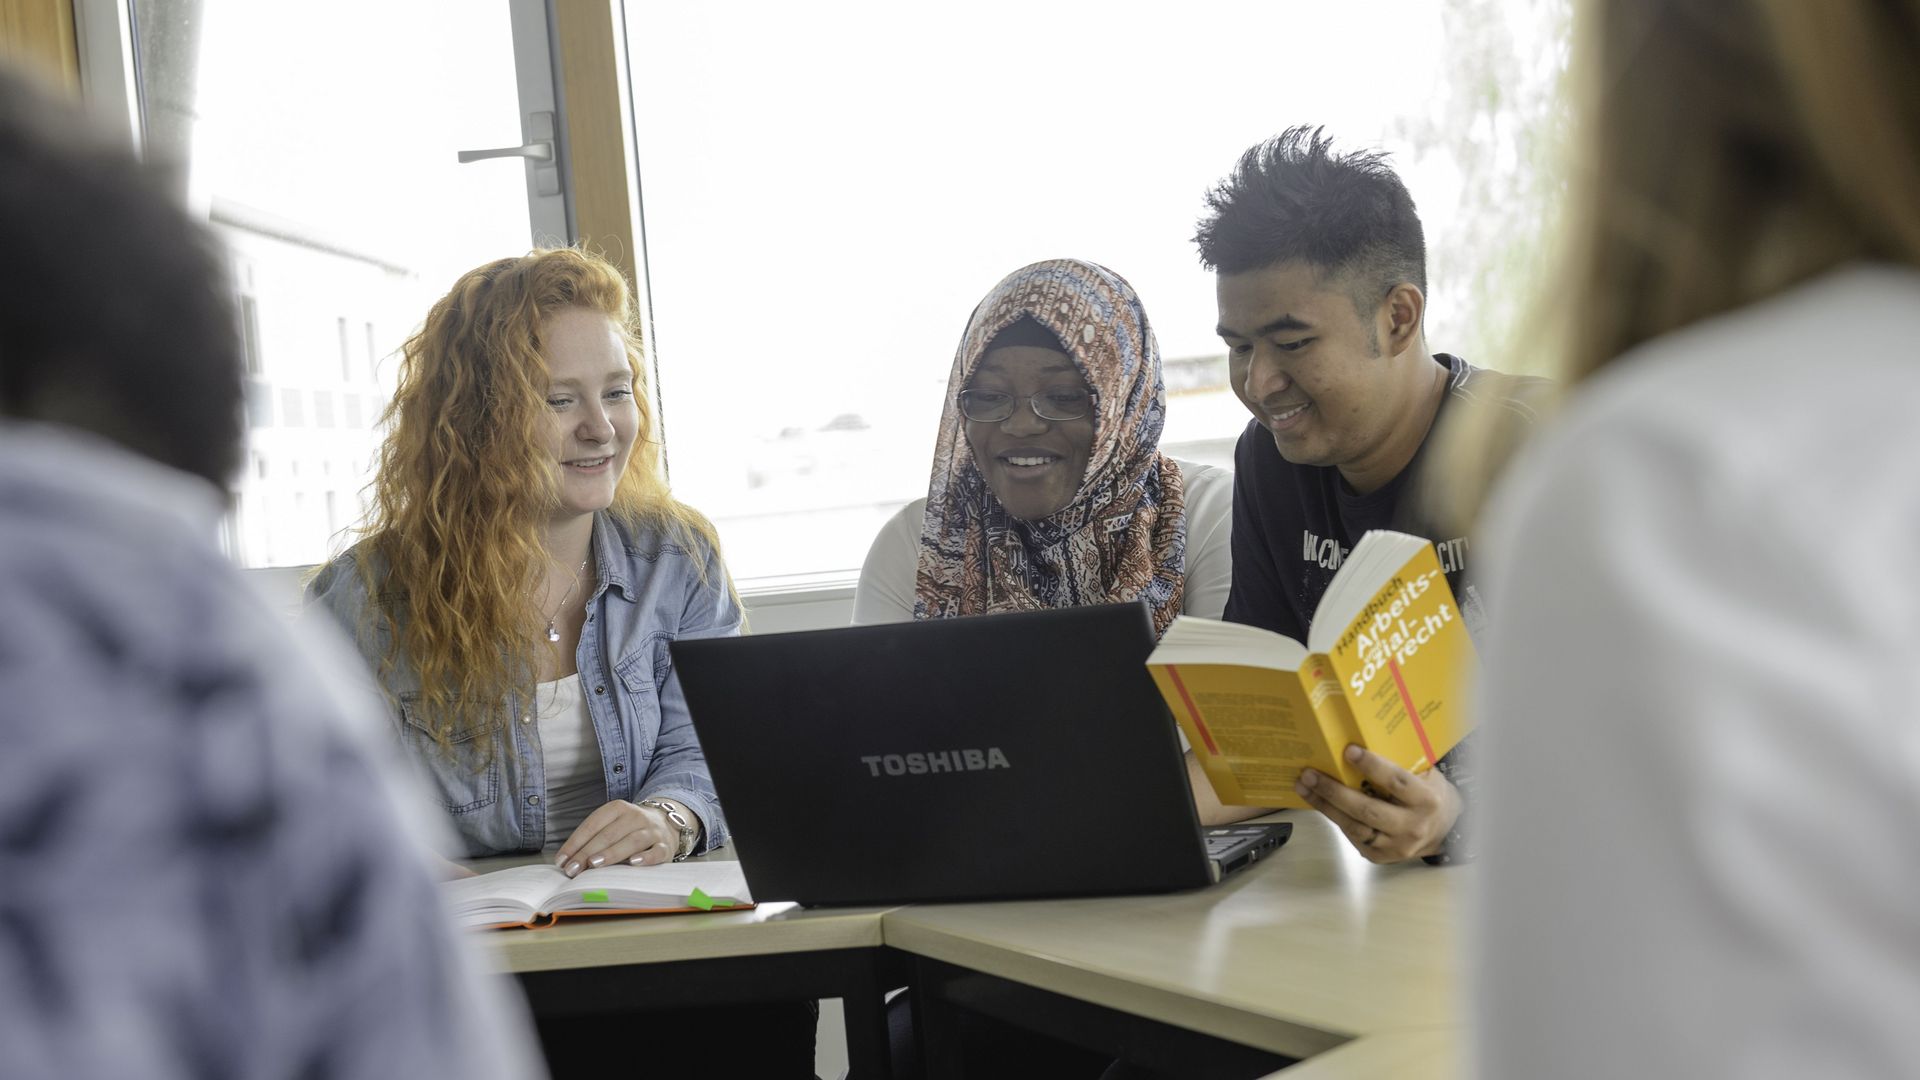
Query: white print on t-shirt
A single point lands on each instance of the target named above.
(1328, 554)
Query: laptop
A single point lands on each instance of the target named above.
(992, 757)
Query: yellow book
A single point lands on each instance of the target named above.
(1385, 665)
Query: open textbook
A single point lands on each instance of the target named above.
(1385, 665)
(539, 894)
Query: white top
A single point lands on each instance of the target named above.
(887, 580)
(570, 756)
(1702, 758)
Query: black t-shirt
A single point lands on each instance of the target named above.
(1293, 525)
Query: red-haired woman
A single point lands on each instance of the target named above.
(523, 572)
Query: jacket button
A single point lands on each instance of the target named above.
(533, 800)
(599, 689)
(618, 767)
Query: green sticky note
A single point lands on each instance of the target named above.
(594, 896)
(700, 900)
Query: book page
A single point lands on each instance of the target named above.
(667, 885)
(1251, 730)
(1378, 556)
(1193, 640)
(512, 895)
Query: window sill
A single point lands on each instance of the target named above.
(799, 588)
(798, 602)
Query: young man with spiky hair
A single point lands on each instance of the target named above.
(1320, 267)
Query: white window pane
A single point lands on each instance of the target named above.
(320, 140)
(830, 190)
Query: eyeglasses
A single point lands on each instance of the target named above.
(993, 407)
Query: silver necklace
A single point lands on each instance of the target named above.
(553, 631)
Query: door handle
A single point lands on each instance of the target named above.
(539, 146)
(540, 151)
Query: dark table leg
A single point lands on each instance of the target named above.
(864, 1006)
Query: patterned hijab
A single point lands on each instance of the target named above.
(1123, 537)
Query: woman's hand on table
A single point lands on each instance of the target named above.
(622, 832)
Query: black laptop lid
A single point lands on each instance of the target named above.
(996, 756)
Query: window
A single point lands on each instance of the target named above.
(323, 142)
(250, 333)
(828, 192)
(293, 409)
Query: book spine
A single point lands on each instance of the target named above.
(1321, 680)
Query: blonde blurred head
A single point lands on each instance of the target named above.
(1724, 150)
(1729, 149)
(465, 485)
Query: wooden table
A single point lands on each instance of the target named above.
(1313, 954)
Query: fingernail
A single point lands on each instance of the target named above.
(1353, 754)
(596, 860)
(1307, 779)
(635, 860)
(560, 863)
(573, 868)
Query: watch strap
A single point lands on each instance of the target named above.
(679, 820)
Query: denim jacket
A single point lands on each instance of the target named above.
(650, 592)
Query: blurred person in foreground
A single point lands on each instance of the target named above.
(204, 869)
(1700, 743)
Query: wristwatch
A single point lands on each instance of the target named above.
(689, 833)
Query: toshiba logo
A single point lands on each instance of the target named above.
(936, 761)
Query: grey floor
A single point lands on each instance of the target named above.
(830, 1042)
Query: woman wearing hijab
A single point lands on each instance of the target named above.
(1048, 488)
